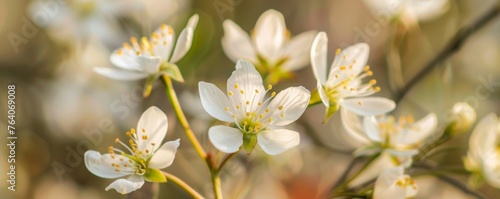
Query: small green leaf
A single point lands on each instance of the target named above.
(332, 109)
(249, 142)
(154, 175)
(172, 71)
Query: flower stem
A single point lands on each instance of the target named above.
(340, 189)
(182, 184)
(216, 185)
(182, 118)
(228, 157)
(452, 46)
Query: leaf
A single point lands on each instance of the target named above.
(172, 71)
(154, 175)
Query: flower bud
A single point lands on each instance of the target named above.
(461, 119)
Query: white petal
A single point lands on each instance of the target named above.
(163, 42)
(354, 127)
(426, 10)
(100, 165)
(214, 101)
(484, 134)
(276, 141)
(374, 169)
(193, 21)
(385, 184)
(322, 95)
(165, 155)
(244, 83)
(420, 131)
(125, 186)
(319, 57)
(124, 61)
(150, 65)
(355, 56)
(298, 51)
(183, 45)
(368, 105)
(154, 123)
(120, 74)
(225, 139)
(289, 105)
(236, 43)
(270, 34)
(372, 130)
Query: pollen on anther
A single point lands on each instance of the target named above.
(273, 94)
(144, 137)
(236, 85)
(247, 102)
(226, 108)
(372, 82)
(269, 87)
(369, 73)
(256, 91)
(280, 107)
(270, 119)
(377, 89)
(119, 52)
(367, 68)
(230, 93)
(132, 130)
(117, 140)
(342, 67)
(338, 51)
(282, 115)
(242, 92)
(359, 103)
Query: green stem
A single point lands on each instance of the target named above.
(452, 47)
(182, 118)
(228, 157)
(182, 184)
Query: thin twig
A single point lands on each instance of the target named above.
(452, 46)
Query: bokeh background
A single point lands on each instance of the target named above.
(60, 101)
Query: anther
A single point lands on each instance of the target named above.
(236, 86)
(280, 107)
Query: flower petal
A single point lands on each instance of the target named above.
(319, 57)
(246, 85)
(236, 43)
(374, 169)
(270, 34)
(225, 139)
(484, 134)
(163, 42)
(123, 60)
(289, 105)
(193, 21)
(183, 45)
(426, 10)
(164, 156)
(385, 184)
(354, 127)
(420, 131)
(355, 56)
(120, 74)
(150, 65)
(276, 141)
(298, 51)
(151, 128)
(372, 130)
(100, 165)
(368, 105)
(125, 186)
(214, 101)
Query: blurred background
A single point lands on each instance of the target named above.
(63, 108)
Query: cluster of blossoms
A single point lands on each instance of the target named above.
(254, 115)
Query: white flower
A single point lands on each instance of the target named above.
(421, 10)
(483, 157)
(394, 184)
(462, 118)
(151, 58)
(343, 86)
(270, 48)
(255, 119)
(401, 138)
(141, 160)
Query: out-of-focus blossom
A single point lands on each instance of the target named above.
(483, 156)
(269, 47)
(401, 138)
(151, 58)
(418, 10)
(141, 160)
(462, 118)
(343, 86)
(255, 119)
(393, 183)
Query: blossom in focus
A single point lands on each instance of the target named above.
(401, 138)
(343, 85)
(393, 183)
(153, 57)
(270, 47)
(254, 119)
(419, 10)
(483, 156)
(142, 158)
